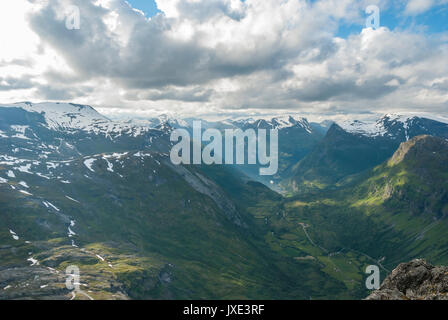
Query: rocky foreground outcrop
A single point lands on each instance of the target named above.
(415, 280)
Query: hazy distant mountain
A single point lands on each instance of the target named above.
(297, 137)
(322, 127)
(352, 147)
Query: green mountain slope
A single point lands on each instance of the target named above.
(356, 147)
(139, 227)
(393, 213)
(414, 180)
(337, 156)
(410, 193)
(106, 198)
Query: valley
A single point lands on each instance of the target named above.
(79, 189)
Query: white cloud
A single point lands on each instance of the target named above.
(221, 57)
(418, 6)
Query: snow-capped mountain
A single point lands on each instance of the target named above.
(395, 126)
(73, 192)
(167, 119)
(352, 147)
(63, 116)
(64, 131)
(72, 118)
(279, 123)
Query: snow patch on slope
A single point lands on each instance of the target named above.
(68, 117)
(89, 163)
(379, 128)
(14, 235)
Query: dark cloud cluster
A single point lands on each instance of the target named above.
(229, 54)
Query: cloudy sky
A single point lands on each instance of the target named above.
(221, 58)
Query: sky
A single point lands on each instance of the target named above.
(228, 58)
(149, 7)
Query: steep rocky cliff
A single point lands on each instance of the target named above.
(416, 280)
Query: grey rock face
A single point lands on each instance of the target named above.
(415, 280)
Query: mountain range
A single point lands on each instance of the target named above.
(350, 148)
(77, 188)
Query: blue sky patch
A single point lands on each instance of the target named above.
(432, 21)
(149, 7)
